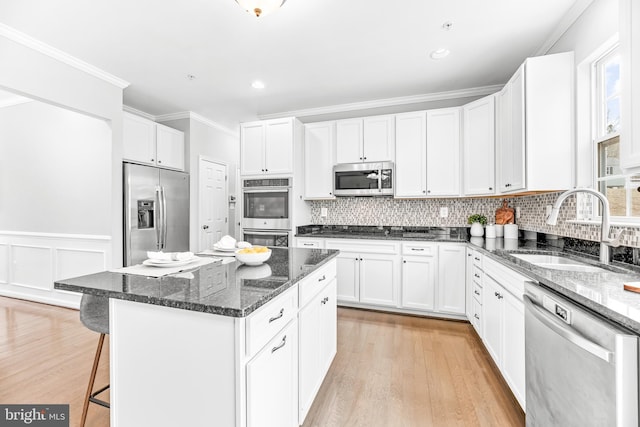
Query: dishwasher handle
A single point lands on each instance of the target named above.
(568, 333)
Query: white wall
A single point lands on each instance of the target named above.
(55, 170)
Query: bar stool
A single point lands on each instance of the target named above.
(94, 314)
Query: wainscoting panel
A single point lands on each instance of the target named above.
(31, 262)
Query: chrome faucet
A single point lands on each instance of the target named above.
(605, 226)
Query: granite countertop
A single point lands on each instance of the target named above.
(432, 234)
(229, 289)
(601, 292)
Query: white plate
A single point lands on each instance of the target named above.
(164, 263)
(221, 249)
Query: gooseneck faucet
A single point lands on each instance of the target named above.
(605, 226)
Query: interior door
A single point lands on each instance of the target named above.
(213, 203)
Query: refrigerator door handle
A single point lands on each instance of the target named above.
(158, 217)
(163, 242)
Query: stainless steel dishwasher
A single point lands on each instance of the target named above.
(581, 370)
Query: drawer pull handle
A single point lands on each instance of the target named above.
(476, 275)
(476, 316)
(308, 244)
(498, 295)
(322, 278)
(476, 292)
(417, 249)
(476, 258)
(324, 300)
(279, 346)
(278, 316)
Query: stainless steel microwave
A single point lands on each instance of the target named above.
(363, 179)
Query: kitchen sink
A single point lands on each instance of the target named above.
(555, 262)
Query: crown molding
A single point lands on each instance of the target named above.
(14, 100)
(188, 115)
(138, 112)
(388, 102)
(32, 43)
(565, 23)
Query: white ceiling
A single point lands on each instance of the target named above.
(310, 54)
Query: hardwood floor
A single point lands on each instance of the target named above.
(393, 370)
(390, 370)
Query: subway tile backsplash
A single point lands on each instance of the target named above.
(426, 212)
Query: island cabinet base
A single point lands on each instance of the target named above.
(172, 367)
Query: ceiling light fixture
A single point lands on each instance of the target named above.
(257, 84)
(260, 7)
(439, 54)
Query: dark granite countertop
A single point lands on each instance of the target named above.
(601, 292)
(229, 289)
(432, 234)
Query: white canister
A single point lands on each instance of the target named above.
(511, 231)
(490, 231)
(499, 230)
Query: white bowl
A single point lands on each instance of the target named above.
(253, 259)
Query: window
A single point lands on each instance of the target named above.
(620, 188)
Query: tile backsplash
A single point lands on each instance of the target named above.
(426, 212)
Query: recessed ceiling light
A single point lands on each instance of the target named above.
(191, 77)
(440, 53)
(257, 84)
(447, 25)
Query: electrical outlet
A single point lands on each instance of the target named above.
(517, 212)
(444, 212)
(324, 212)
(548, 209)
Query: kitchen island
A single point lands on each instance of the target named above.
(219, 345)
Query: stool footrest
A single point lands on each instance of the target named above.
(94, 399)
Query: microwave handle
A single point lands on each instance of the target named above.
(267, 190)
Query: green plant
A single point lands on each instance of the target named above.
(477, 218)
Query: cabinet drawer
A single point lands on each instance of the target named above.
(419, 249)
(477, 259)
(476, 316)
(511, 280)
(315, 282)
(267, 321)
(477, 274)
(477, 291)
(310, 243)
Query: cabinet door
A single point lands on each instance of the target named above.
(492, 317)
(513, 356)
(328, 327)
(419, 282)
(310, 350)
(629, 70)
(278, 146)
(252, 149)
(479, 146)
(411, 155)
(348, 276)
(138, 139)
(272, 382)
(349, 137)
(319, 147)
(378, 139)
(512, 138)
(378, 279)
(169, 147)
(451, 279)
(443, 152)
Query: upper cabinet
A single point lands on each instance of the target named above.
(479, 147)
(411, 154)
(535, 126)
(319, 158)
(266, 147)
(630, 97)
(365, 140)
(147, 142)
(443, 152)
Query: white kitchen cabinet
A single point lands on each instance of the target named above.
(368, 271)
(369, 139)
(503, 324)
(451, 279)
(317, 323)
(630, 80)
(272, 382)
(535, 117)
(419, 276)
(443, 152)
(266, 147)
(319, 158)
(150, 143)
(478, 151)
(411, 155)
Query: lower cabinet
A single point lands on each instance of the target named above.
(503, 324)
(451, 279)
(272, 382)
(419, 282)
(318, 326)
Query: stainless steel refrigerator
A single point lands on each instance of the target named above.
(156, 211)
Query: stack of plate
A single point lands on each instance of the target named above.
(169, 263)
(219, 248)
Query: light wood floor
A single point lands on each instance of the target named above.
(390, 370)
